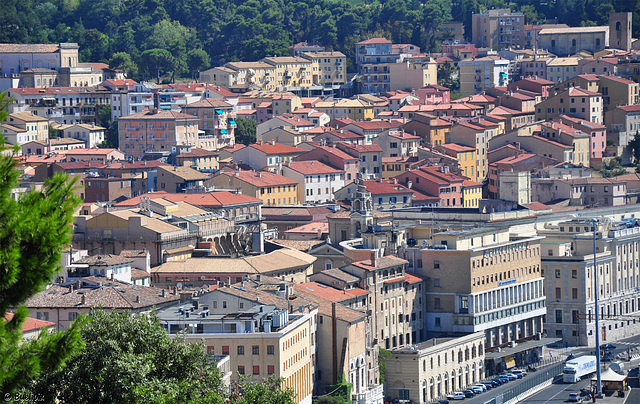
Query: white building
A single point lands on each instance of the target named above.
(128, 103)
(479, 74)
(91, 134)
(316, 181)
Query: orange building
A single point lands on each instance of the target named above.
(156, 131)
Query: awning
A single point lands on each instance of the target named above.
(165, 106)
(232, 121)
(610, 376)
(502, 74)
(534, 343)
(219, 111)
(223, 131)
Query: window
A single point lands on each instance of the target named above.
(574, 293)
(255, 350)
(436, 282)
(557, 273)
(225, 350)
(271, 369)
(436, 303)
(240, 349)
(558, 316)
(240, 370)
(436, 264)
(574, 274)
(269, 349)
(256, 369)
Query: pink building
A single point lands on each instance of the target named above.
(596, 132)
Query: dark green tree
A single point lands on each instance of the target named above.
(246, 131)
(198, 60)
(634, 147)
(122, 61)
(157, 62)
(33, 232)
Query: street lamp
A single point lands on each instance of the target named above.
(595, 283)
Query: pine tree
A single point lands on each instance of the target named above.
(34, 228)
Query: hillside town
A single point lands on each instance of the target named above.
(379, 229)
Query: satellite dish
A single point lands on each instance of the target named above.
(301, 309)
(202, 278)
(179, 285)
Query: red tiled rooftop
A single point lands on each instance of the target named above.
(312, 167)
(261, 178)
(311, 228)
(276, 148)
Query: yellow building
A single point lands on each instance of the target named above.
(272, 189)
(471, 194)
(356, 109)
(23, 127)
(329, 68)
(465, 155)
(261, 340)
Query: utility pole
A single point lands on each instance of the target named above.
(596, 291)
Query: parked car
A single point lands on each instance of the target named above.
(482, 386)
(574, 397)
(511, 376)
(458, 395)
(489, 385)
(476, 389)
(443, 402)
(520, 373)
(469, 393)
(503, 379)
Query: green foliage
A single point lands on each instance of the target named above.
(33, 231)
(382, 363)
(634, 147)
(131, 359)
(198, 60)
(328, 400)
(448, 76)
(269, 391)
(123, 61)
(111, 127)
(246, 131)
(341, 390)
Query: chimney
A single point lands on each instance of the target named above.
(137, 298)
(273, 141)
(70, 288)
(374, 253)
(409, 184)
(84, 300)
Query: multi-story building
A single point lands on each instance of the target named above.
(22, 127)
(218, 121)
(479, 74)
(617, 92)
(430, 128)
(156, 131)
(105, 189)
(435, 367)
(435, 181)
(273, 189)
(369, 158)
(576, 102)
(569, 41)
(569, 280)
(396, 303)
(316, 181)
(498, 28)
(622, 124)
(597, 134)
(465, 155)
(560, 70)
(125, 101)
(329, 68)
(91, 134)
(16, 58)
(335, 158)
(261, 340)
(476, 133)
(484, 280)
(270, 156)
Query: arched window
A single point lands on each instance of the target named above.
(328, 264)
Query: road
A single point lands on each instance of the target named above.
(558, 392)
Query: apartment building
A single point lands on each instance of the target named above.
(438, 182)
(476, 133)
(261, 340)
(617, 92)
(435, 367)
(273, 189)
(560, 69)
(568, 263)
(22, 127)
(217, 119)
(430, 128)
(369, 158)
(465, 155)
(156, 131)
(576, 102)
(396, 299)
(266, 156)
(335, 158)
(596, 132)
(91, 134)
(479, 74)
(396, 143)
(125, 101)
(484, 280)
(499, 28)
(329, 68)
(622, 124)
(385, 194)
(317, 182)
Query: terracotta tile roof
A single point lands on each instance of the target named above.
(544, 139)
(137, 274)
(312, 167)
(197, 152)
(221, 91)
(458, 148)
(373, 41)
(329, 293)
(293, 120)
(210, 103)
(261, 178)
(277, 148)
(537, 206)
(300, 245)
(185, 173)
(326, 307)
(345, 134)
(385, 187)
(579, 92)
(361, 148)
(341, 275)
(89, 152)
(373, 125)
(157, 115)
(337, 152)
(381, 262)
(470, 184)
(111, 295)
(618, 79)
(27, 117)
(404, 136)
(28, 48)
(630, 108)
(30, 323)
(104, 260)
(122, 82)
(310, 228)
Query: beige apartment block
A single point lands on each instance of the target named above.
(261, 340)
(618, 92)
(479, 74)
(410, 75)
(499, 28)
(562, 69)
(574, 102)
(22, 127)
(567, 261)
(435, 367)
(328, 68)
(484, 280)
